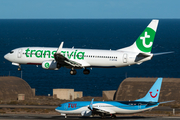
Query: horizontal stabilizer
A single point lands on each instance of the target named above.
(162, 53)
(166, 102)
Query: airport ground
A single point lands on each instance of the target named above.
(48, 112)
(43, 107)
(51, 116)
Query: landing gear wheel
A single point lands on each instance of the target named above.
(19, 69)
(73, 72)
(86, 71)
(103, 115)
(113, 116)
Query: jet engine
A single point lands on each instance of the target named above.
(86, 113)
(50, 65)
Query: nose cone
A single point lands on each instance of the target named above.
(6, 56)
(57, 109)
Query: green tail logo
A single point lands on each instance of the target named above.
(145, 40)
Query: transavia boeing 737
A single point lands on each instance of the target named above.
(110, 108)
(55, 58)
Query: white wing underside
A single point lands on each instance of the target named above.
(104, 111)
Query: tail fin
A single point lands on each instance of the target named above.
(153, 93)
(145, 40)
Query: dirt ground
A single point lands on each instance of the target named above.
(50, 101)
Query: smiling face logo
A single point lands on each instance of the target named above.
(154, 95)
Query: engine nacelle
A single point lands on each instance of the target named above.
(86, 113)
(50, 65)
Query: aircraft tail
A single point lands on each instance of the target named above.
(153, 93)
(145, 41)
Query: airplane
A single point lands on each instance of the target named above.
(111, 108)
(55, 58)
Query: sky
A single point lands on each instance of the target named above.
(89, 9)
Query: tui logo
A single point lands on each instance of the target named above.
(154, 95)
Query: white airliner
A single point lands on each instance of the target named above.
(54, 58)
(111, 108)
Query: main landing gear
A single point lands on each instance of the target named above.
(103, 115)
(85, 71)
(113, 116)
(73, 72)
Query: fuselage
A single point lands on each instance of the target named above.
(55, 58)
(113, 107)
(87, 57)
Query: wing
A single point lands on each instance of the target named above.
(100, 110)
(63, 61)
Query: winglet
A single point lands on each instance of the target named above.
(60, 47)
(91, 105)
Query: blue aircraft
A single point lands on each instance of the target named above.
(111, 108)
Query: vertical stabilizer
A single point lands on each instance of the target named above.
(153, 93)
(145, 41)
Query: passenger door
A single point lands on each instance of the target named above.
(125, 56)
(19, 55)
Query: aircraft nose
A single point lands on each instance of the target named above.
(6, 56)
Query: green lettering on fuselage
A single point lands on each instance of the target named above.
(63, 52)
(27, 52)
(39, 53)
(50, 54)
(32, 52)
(80, 55)
(47, 51)
(69, 56)
(53, 52)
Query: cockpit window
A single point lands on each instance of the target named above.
(60, 105)
(11, 52)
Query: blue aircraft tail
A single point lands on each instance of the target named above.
(153, 93)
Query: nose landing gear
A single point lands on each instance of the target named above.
(19, 69)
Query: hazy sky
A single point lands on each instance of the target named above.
(87, 9)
